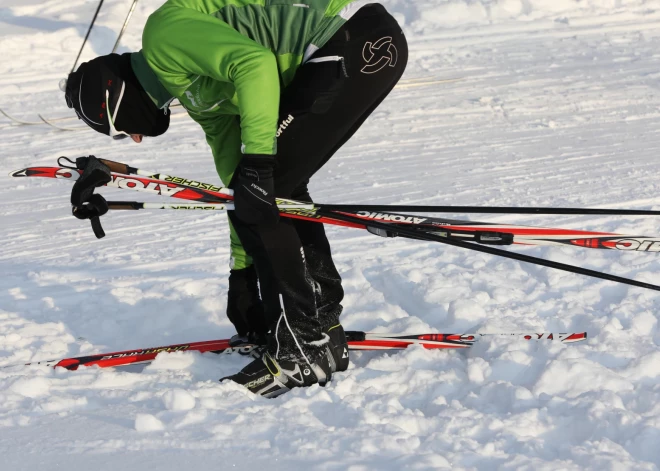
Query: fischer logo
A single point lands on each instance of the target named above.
(257, 382)
(284, 125)
(391, 217)
(133, 184)
(637, 245)
(148, 351)
(193, 183)
(211, 208)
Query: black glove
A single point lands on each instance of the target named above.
(95, 174)
(85, 204)
(254, 190)
(95, 207)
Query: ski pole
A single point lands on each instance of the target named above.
(319, 215)
(492, 210)
(130, 205)
(483, 233)
(128, 170)
(123, 29)
(89, 30)
(404, 231)
(388, 230)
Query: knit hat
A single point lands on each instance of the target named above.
(108, 97)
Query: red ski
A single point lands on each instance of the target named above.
(470, 235)
(356, 341)
(204, 194)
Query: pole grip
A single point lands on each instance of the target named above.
(125, 205)
(119, 167)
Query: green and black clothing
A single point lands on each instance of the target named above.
(294, 80)
(227, 61)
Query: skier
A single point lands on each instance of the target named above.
(278, 88)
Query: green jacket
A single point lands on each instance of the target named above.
(227, 61)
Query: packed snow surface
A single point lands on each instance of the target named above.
(557, 103)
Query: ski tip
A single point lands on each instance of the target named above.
(70, 364)
(577, 337)
(19, 173)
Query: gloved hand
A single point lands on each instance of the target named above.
(85, 204)
(254, 190)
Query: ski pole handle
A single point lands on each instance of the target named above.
(128, 170)
(119, 167)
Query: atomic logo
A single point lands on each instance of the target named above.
(379, 55)
(135, 184)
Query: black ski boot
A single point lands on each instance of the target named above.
(297, 356)
(252, 344)
(269, 377)
(337, 348)
(251, 338)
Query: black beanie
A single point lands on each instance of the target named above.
(86, 94)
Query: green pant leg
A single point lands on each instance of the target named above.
(239, 258)
(225, 166)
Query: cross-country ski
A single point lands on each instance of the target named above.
(329, 235)
(356, 341)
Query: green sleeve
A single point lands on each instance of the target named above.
(181, 44)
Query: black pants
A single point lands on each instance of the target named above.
(325, 104)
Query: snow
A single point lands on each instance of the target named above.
(557, 104)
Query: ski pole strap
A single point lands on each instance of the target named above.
(93, 209)
(81, 163)
(97, 228)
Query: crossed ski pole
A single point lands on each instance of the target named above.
(333, 214)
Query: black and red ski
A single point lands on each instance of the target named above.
(461, 230)
(475, 236)
(356, 341)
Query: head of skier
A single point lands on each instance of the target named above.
(108, 97)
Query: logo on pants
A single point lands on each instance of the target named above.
(379, 55)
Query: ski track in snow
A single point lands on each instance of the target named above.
(558, 105)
